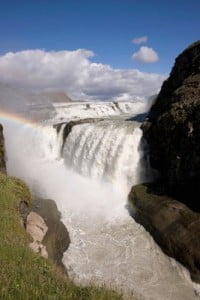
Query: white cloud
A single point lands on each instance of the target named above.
(74, 73)
(140, 40)
(146, 55)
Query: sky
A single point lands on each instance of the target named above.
(112, 37)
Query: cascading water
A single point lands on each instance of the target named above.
(107, 245)
(73, 110)
(105, 150)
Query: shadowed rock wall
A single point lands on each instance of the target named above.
(172, 129)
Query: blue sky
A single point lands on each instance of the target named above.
(85, 47)
(104, 26)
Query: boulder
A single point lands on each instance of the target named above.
(172, 224)
(172, 129)
(37, 228)
(56, 239)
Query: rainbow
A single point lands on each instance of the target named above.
(17, 118)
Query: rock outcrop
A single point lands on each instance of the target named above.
(172, 129)
(53, 235)
(173, 225)
(37, 228)
(49, 236)
(2, 152)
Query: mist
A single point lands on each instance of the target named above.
(107, 246)
(37, 161)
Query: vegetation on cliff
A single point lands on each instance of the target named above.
(24, 274)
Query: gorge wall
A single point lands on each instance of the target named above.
(173, 225)
(172, 131)
(173, 128)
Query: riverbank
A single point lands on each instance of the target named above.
(25, 274)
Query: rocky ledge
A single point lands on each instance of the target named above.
(57, 238)
(172, 224)
(50, 237)
(172, 129)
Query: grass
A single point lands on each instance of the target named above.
(23, 274)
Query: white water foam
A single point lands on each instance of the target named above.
(106, 150)
(107, 245)
(76, 110)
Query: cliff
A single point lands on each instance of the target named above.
(173, 225)
(173, 129)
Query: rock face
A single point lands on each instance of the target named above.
(37, 228)
(173, 128)
(173, 225)
(56, 239)
(50, 237)
(2, 152)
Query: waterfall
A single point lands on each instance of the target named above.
(89, 180)
(105, 150)
(77, 110)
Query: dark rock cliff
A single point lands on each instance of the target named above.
(173, 225)
(2, 152)
(173, 129)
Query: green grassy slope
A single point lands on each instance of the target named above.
(23, 274)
